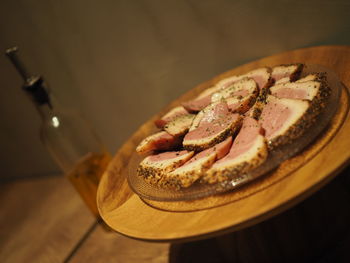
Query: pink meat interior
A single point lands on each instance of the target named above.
(244, 140)
(281, 75)
(166, 156)
(233, 106)
(221, 149)
(163, 138)
(242, 92)
(198, 104)
(213, 122)
(273, 117)
(260, 80)
(290, 93)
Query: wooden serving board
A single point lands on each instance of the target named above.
(127, 214)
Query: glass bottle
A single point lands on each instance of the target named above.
(69, 139)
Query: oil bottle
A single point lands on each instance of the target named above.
(69, 139)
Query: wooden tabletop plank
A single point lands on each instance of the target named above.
(41, 220)
(102, 246)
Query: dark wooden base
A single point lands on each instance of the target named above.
(316, 230)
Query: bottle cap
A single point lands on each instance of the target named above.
(33, 85)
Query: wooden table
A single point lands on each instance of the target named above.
(43, 219)
(50, 206)
(308, 172)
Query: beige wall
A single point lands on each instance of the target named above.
(119, 62)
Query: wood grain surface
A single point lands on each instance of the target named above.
(41, 220)
(111, 247)
(44, 220)
(124, 212)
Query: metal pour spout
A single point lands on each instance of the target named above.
(12, 55)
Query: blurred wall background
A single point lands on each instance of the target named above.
(118, 62)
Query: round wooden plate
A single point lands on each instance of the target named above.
(127, 214)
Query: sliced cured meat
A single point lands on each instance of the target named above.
(285, 119)
(207, 114)
(200, 102)
(282, 74)
(320, 76)
(192, 170)
(241, 105)
(264, 80)
(261, 76)
(197, 119)
(158, 141)
(306, 90)
(255, 111)
(282, 80)
(286, 73)
(247, 152)
(180, 125)
(154, 167)
(239, 89)
(197, 104)
(243, 102)
(315, 91)
(171, 115)
(216, 123)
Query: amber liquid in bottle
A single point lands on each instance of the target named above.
(85, 176)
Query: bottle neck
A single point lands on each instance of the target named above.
(45, 110)
(37, 90)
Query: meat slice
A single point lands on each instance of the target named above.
(283, 80)
(171, 115)
(241, 104)
(180, 125)
(261, 76)
(154, 167)
(207, 114)
(307, 90)
(240, 96)
(264, 80)
(285, 119)
(238, 89)
(201, 101)
(158, 141)
(288, 89)
(316, 92)
(192, 170)
(255, 111)
(286, 73)
(247, 152)
(319, 76)
(214, 124)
